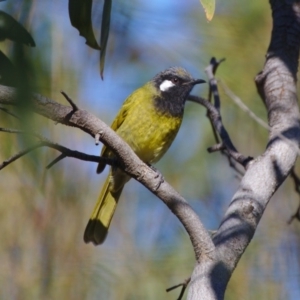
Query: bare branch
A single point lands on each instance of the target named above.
(44, 142)
(9, 112)
(214, 115)
(97, 138)
(128, 160)
(243, 106)
(56, 160)
(216, 120)
(210, 71)
(19, 154)
(183, 285)
(213, 90)
(72, 103)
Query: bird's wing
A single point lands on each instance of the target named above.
(119, 119)
(121, 116)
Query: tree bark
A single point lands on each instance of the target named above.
(277, 86)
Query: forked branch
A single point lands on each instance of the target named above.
(127, 160)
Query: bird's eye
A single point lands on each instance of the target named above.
(175, 80)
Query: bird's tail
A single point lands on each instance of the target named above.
(97, 227)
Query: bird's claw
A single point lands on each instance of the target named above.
(158, 176)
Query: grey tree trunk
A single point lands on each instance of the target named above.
(276, 85)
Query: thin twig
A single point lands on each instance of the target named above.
(71, 102)
(210, 71)
(265, 125)
(9, 112)
(243, 106)
(214, 115)
(183, 285)
(66, 152)
(19, 131)
(56, 160)
(97, 138)
(216, 119)
(19, 154)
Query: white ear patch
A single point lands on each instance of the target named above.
(165, 85)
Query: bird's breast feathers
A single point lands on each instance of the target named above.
(148, 131)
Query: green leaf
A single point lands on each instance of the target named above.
(80, 12)
(8, 74)
(104, 32)
(13, 30)
(209, 8)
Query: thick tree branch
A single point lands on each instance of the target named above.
(277, 87)
(127, 159)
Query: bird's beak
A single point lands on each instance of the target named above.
(197, 81)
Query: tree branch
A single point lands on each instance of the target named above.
(226, 147)
(183, 286)
(215, 117)
(127, 159)
(277, 86)
(44, 142)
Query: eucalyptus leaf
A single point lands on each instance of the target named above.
(80, 13)
(8, 74)
(209, 8)
(13, 30)
(104, 32)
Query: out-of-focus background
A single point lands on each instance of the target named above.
(43, 213)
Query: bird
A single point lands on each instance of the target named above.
(148, 122)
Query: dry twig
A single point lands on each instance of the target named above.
(183, 285)
(213, 112)
(44, 142)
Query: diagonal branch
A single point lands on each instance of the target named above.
(128, 161)
(13, 158)
(262, 123)
(71, 102)
(216, 120)
(183, 286)
(213, 113)
(44, 142)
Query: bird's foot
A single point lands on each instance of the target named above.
(158, 176)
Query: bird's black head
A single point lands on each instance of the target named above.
(174, 86)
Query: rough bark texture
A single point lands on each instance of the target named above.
(130, 163)
(277, 87)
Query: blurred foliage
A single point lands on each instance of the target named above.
(209, 8)
(80, 13)
(43, 213)
(11, 29)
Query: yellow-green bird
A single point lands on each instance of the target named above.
(148, 121)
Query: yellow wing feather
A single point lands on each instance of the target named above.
(119, 119)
